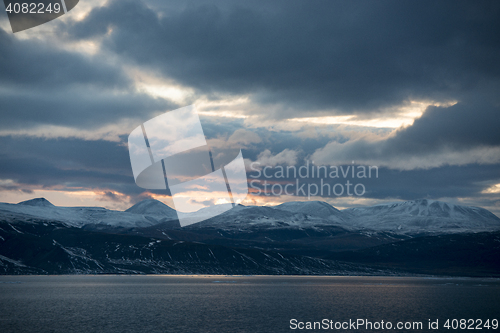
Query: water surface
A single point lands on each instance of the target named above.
(227, 304)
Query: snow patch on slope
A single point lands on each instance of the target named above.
(313, 208)
(247, 217)
(422, 216)
(73, 216)
(152, 207)
(37, 202)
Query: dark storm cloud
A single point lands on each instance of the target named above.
(103, 165)
(65, 162)
(463, 125)
(40, 84)
(272, 140)
(446, 181)
(28, 64)
(468, 125)
(81, 108)
(354, 57)
(216, 127)
(351, 56)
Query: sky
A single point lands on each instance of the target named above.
(409, 87)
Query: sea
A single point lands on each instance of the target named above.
(229, 304)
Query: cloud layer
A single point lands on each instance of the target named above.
(65, 112)
(337, 56)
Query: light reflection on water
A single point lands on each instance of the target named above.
(232, 304)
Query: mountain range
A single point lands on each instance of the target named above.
(308, 237)
(409, 217)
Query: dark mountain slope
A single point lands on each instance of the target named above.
(53, 248)
(456, 254)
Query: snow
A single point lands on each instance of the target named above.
(152, 207)
(16, 229)
(409, 217)
(422, 216)
(315, 208)
(12, 261)
(247, 217)
(74, 216)
(37, 202)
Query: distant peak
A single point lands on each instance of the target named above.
(313, 203)
(315, 208)
(149, 201)
(151, 207)
(39, 202)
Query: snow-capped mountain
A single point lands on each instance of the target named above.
(37, 237)
(410, 217)
(152, 207)
(53, 248)
(250, 217)
(37, 202)
(42, 209)
(313, 208)
(423, 215)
